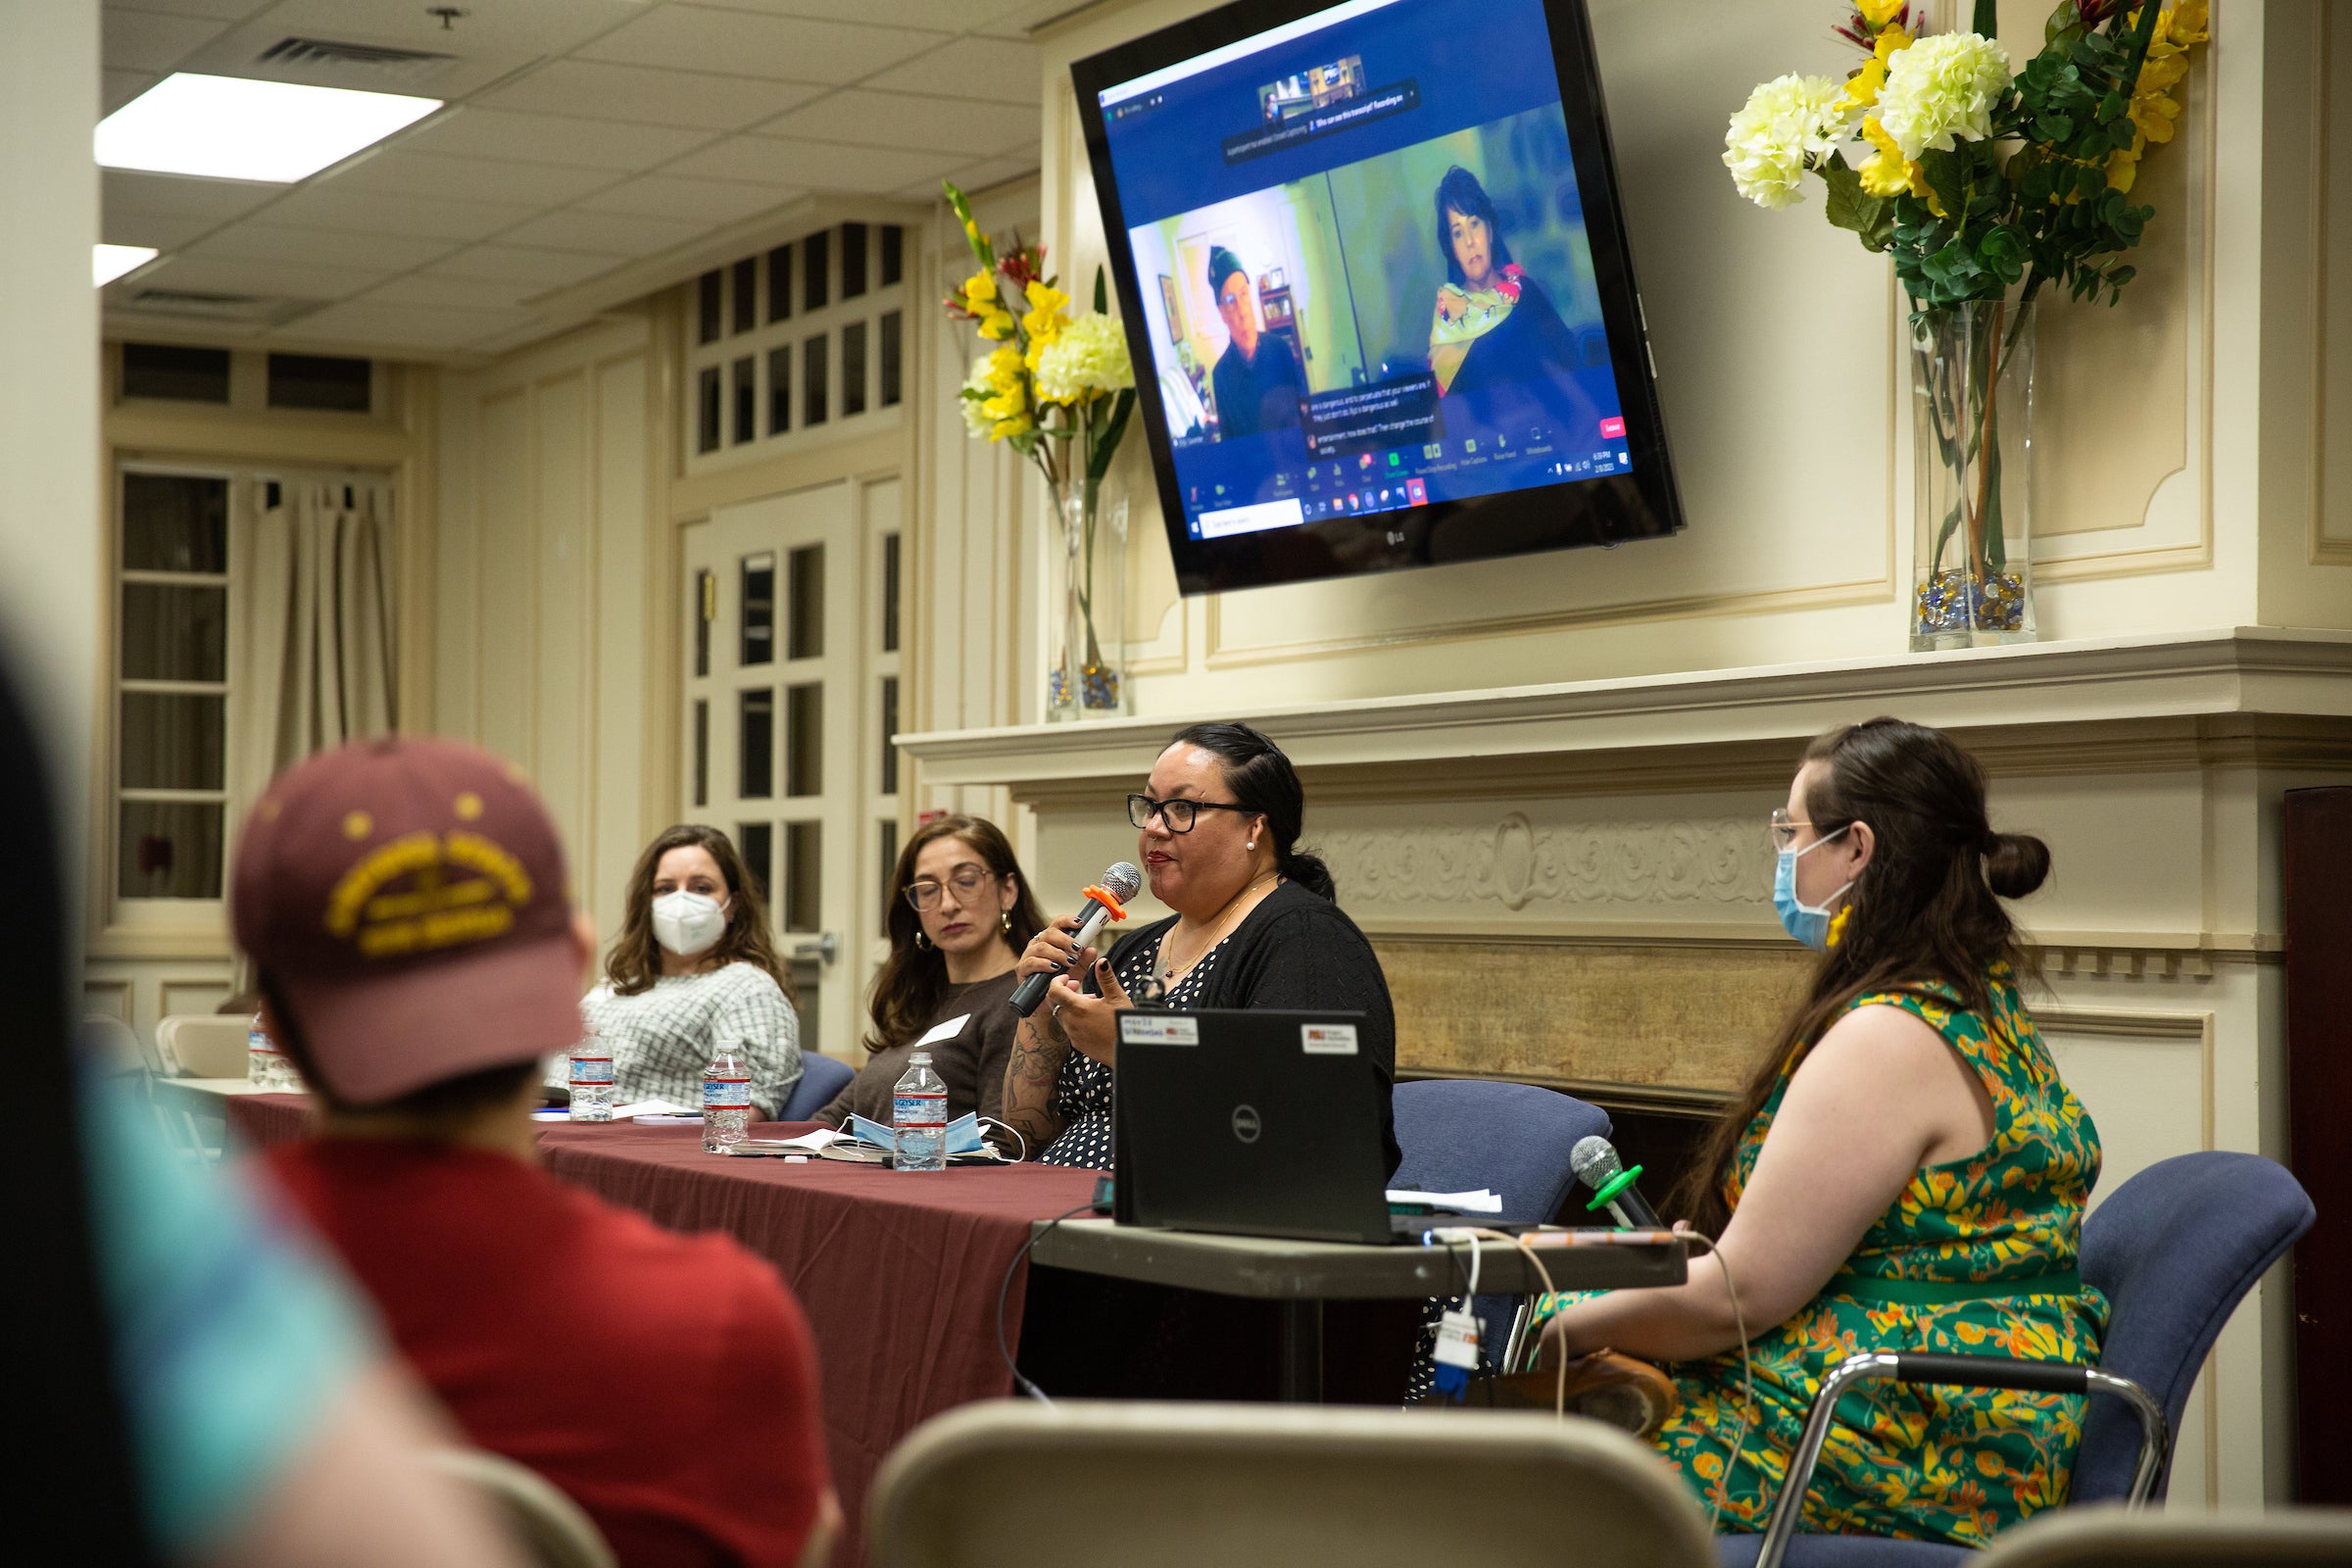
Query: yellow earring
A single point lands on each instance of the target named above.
(922, 943)
(1004, 921)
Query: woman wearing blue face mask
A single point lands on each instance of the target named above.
(694, 969)
(1905, 1171)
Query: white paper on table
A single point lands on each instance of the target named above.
(1481, 1202)
(654, 1108)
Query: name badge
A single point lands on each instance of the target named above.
(1327, 1039)
(1157, 1029)
(945, 1031)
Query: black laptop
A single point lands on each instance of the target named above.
(1250, 1124)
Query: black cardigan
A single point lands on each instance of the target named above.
(1297, 952)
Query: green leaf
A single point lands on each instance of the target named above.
(1101, 306)
(1851, 207)
(1987, 18)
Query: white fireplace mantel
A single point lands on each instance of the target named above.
(2192, 689)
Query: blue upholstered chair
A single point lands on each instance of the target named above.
(1461, 1134)
(2175, 1250)
(821, 1078)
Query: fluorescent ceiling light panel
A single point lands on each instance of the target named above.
(235, 127)
(110, 262)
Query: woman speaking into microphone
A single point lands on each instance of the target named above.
(1218, 823)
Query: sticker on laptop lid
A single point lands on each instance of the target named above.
(1327, 1039)
(1158, 1029)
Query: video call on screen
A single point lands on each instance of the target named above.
(1364, 269)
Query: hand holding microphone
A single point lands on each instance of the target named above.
(1064, 943)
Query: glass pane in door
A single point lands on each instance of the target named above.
(758, 734)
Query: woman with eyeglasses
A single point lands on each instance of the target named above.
(960, 912)
(1255, 927)
(1905, 1171)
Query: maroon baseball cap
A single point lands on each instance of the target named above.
(407, 901)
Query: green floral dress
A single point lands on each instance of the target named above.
(1978, 1257)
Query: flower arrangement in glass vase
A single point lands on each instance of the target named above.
(1985, 187)
(1058, 389)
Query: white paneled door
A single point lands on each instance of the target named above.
(783, 748)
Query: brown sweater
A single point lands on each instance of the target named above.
(972, 1062)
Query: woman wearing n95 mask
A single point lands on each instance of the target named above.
(694, 969)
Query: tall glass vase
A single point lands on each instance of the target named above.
(1972, 396)
(1087, 678)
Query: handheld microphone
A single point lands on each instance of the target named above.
(1596, 1164)
(1102, 902)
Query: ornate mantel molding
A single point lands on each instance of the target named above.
(2233, 696)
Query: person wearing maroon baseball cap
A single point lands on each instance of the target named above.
(405, 904)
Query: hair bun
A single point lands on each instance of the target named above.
(2015, 863)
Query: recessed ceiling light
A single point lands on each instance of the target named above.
(235, 127)
(110, 262)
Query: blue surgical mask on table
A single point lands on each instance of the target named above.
(687, 923)
(1808, 923)
(963, 1133)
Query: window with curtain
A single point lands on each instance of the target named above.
(254, 625)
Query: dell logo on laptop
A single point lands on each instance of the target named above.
(1246, 1125)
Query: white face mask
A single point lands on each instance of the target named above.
(687, 923)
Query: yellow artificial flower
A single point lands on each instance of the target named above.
(1045, 318)
(1889, 172)
(979, 291)
(1879, 13)
(2179, 28)
(1862, 88)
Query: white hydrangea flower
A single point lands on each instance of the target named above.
(1786, 123)
(977, 419)
(1941, 87)
(1089, 355)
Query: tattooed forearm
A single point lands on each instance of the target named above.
(1031, 1075)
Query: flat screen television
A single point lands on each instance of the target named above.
(1376, 283)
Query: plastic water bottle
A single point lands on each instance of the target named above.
(726, 1099)
(918, 1117)
(267, 1066)
(592, 1079)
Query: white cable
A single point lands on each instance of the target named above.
(991, 1121)
(1747, 1377)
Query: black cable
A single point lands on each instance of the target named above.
(1020, 1384)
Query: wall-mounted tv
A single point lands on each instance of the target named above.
(1377, 287)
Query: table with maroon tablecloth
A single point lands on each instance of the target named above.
(898, 1273)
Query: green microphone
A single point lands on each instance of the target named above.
(1596, 1164)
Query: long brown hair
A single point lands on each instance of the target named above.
(634, 962)
(1926, 909)
(912, 981)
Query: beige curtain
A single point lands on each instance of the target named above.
(320, 605)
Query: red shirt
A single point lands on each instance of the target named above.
(665, 1382)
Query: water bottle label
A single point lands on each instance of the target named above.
(726, 1093)
(920, 1111)
(592, 1069)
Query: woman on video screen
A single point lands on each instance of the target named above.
(1503, 359)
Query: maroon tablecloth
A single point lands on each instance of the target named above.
(897, 1272)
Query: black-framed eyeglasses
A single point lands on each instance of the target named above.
(1180, 815)
(924, 895)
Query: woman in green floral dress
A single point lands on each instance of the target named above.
(1906, 1171)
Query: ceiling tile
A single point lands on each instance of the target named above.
(606, 233)
(980, 175)
(686, 37)
(217, 10)
(553, 139)
(261, 241)
(323, 206)
(412, 327)
(995, 69)
(461, 293)
(706, 201)
(119, 88)
(817, 166)
(646, 96)
(165, 210)
(400, 171)
(1014, 23)
(949, 16)
(148, 40)
(517, 27)
(906, 121)
(538, 268)
(291, 278)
